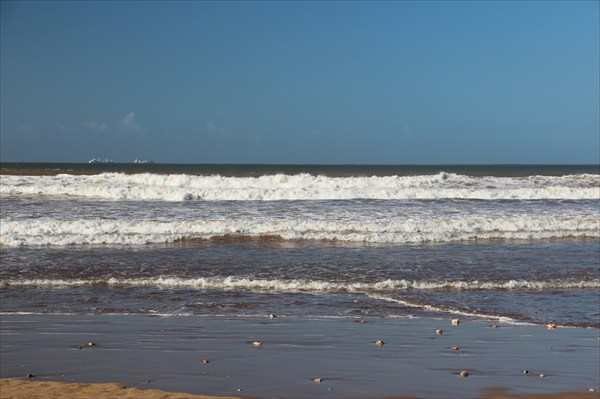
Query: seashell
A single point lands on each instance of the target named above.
(272, 316)
(439, 331)
(205, 361)
(525, 371)
(455, 322)
(379, 342)
(464, 373)
(551, 326)
(257, 343)
(318, 379)
(454, 348)
(542, 375)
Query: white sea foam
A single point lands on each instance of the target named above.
(35, 232)
(299, 285)
(119, 186)
(431, 308)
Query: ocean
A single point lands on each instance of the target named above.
(515, 243)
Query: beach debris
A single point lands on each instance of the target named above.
(257, 343)
(439, 331)
(379, 343)
(493, 326)
(30, 375)
(318, 379)
(525, 371)
(205, 361)
(464, 373)
(454, 348)
(455, 322)
(551, 326)
(361, 321)
(91, 344)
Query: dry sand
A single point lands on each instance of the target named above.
(14, 389)
(168, 353)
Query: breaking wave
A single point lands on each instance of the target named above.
(299, 285)
(40, 232)
(182, 187)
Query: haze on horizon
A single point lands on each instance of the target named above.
(407, 82)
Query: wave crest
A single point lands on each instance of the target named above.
(401, 231)
(299, 285)
(157, 187)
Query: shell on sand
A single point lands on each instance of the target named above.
(257, 343)
(317, 379)
(379, 342)
(439, 331)
(454, 348)
(551, 326)
(455, 322)
(464, 373)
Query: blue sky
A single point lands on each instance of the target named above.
(301, 82)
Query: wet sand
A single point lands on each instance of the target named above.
(217, 356)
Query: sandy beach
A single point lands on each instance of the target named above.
(15, 389)
(296, 358)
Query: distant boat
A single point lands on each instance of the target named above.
(142, 161)
(98, 160)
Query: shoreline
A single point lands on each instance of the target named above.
(19, 389)
(215, 355)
